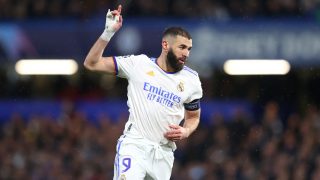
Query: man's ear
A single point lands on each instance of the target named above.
(165, 45)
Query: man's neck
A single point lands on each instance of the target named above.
(163, 63)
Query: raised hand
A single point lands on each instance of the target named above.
(113, 23)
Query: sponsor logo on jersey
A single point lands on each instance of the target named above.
(161, 95)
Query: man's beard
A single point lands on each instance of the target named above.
(173, 61)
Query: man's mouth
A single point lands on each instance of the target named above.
(182, 60)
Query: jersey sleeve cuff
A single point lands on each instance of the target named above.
(115, 65)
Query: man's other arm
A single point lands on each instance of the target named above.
(191, 122)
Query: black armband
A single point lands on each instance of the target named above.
(193, 105)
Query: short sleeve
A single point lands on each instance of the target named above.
(124, 65)
(197, 91)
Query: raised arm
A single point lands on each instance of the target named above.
(94, 60)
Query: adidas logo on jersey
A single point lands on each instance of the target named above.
(151, 73)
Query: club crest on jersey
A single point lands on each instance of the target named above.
(180, 87)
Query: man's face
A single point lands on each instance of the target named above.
(179, 52)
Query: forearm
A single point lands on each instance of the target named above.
(191, 122)
(176, 132)
(191, 125)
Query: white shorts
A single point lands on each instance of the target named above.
(141, 159)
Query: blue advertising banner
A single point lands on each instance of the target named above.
(114, 109)
(213, 42)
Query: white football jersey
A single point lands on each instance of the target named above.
(155, 98)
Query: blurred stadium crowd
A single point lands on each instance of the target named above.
(215, 9)
(71, 147)
(295, 90)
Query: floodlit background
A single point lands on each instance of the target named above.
(258, 61)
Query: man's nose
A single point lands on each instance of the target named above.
(186, 53)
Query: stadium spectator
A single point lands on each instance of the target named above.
(211, 9)
(72, 147)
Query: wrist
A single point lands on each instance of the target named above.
(187, 132)
(107, 35)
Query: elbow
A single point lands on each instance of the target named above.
(87, 65)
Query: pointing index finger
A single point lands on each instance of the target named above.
(117, 12)
(119, 9)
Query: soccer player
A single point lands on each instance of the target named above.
(161, 93)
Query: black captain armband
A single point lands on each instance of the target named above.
(193, 105)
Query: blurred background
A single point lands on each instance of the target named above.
(252, 126)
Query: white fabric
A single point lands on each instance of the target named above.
(139, 159)
(109, 30)
(155, 97)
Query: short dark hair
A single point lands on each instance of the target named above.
(175, 31)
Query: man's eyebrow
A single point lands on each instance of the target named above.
(185, 46)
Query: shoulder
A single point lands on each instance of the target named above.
(193, 79)
(191, 76)
(133, 58)
(145, 58)
(190, 71)
(142, 56)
